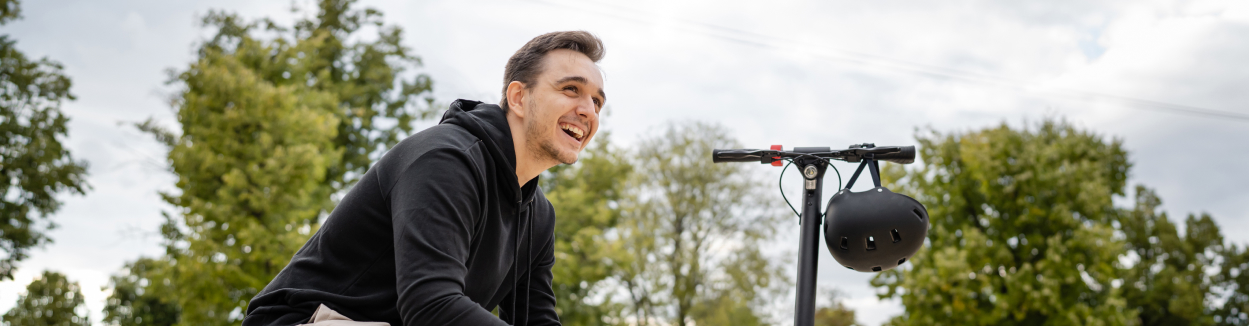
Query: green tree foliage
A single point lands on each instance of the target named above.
(1167, 283)
(140, 297)
(273, 121)
(1232, 286)
(586, 198)
(375, 106)
(34, 165)
(251, 164)
(835, 313)
(10, 10)
(1021, 229)
(692, 232)
(50, 300)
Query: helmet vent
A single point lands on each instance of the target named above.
(900, 261)
(871, 243)
(918, 214)
(875, 268)
(896, 237)
(845, 243)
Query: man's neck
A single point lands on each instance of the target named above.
(528, 166)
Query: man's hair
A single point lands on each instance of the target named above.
(526, 64)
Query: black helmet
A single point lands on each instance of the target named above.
(874, 230)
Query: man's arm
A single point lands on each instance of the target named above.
(434, 206)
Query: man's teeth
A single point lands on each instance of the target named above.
(577, 132)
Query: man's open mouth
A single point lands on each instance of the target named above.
(573, 131)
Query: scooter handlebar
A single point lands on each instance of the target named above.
(895, 154)
(737, 155)
(905, 156)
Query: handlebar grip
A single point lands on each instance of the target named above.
(904, 156)
(736, 155)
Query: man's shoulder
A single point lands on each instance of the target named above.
(440, 137)
(443, 142)
(444, 135)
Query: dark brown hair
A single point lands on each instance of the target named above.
(526, 64)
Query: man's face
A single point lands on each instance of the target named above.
(561, 111)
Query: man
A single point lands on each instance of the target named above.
(450, 223)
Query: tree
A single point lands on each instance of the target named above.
(1167, 284)
(586, 198)
(50, 300)
(1232, 284)
(375, 106)
(251, 164)
(140, 296)
(692, 230)
(835, 313)
(34, 165)
(270, 128)
(1021, 229)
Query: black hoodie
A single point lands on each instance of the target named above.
(429, 236)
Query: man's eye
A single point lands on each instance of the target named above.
(570, 88)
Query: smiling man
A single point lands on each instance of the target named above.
(450, 223)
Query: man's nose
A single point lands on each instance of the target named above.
(586, 108)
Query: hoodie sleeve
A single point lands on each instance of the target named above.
(434, 211)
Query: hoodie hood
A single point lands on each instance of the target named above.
(488, 122)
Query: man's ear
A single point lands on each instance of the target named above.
(516, 98)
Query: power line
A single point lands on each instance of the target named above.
(751, 39)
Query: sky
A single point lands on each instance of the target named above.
(1166, 77)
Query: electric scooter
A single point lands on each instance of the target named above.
(871, 231)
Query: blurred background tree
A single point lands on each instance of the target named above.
(375, 105)
(273, 121)
(836, 313)
(50, 300)
(692, 232)
(142, 295)
(34, 166)
(1232, 286)
(1021, 229)
(586, 197)
(251, 164)
(1168, 283)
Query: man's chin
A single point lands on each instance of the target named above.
(552, 151)
(568, 158)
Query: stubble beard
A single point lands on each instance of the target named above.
(539, 134)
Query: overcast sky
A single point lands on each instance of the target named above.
(797, 73)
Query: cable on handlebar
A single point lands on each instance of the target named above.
(781, 183)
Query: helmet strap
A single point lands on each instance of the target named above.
(874, 171)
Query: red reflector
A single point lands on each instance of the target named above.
(777, 159)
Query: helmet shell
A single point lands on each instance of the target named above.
(875, 230)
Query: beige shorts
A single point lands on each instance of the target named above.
(324, 316)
